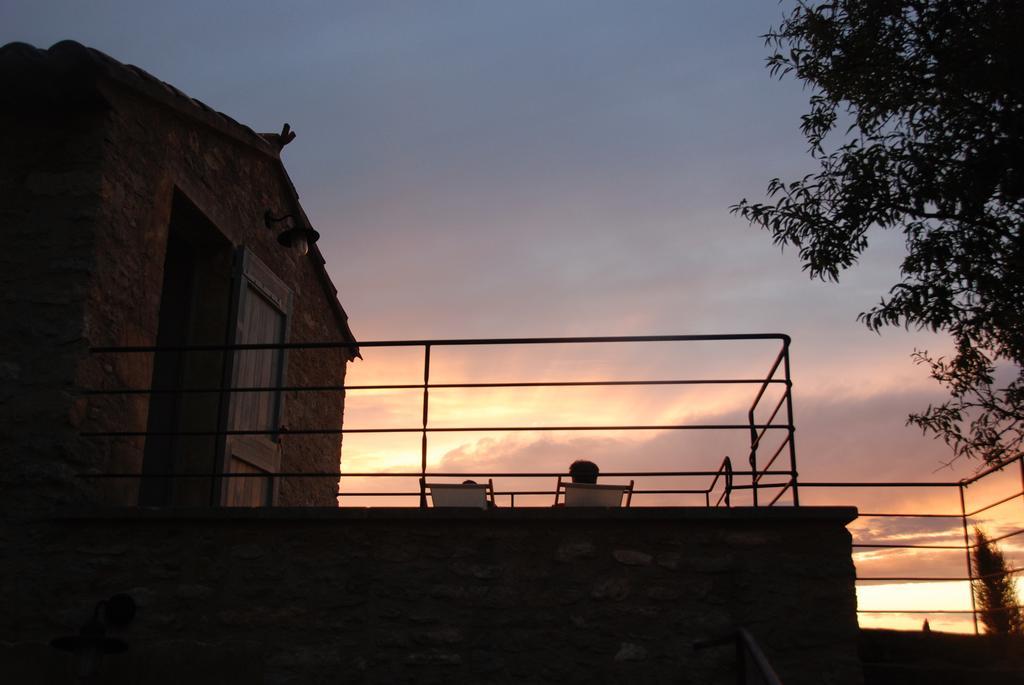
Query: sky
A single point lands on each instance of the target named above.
(518, 169)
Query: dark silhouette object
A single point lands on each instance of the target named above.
(583, 471)
(925, 627)
(932, 94)
(299, 236)
(92, 643)
(584, 491)
(286, 135)
(998, 608)
(491, 504)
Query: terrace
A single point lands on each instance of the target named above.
(513, 411)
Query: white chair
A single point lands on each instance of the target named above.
(471, 495)
(589, 495)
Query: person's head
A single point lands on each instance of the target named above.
(469, 482)
(583, 471)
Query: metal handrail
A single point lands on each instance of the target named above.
(753, 479)
(747, 652)
(420, 386)
(760, 430)
(757, 432)
(963, 515)
(724, 471)
(992, 469)
(436, 429)
(445, 342)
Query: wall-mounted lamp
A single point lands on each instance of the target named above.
(297, 237)
(92, 643)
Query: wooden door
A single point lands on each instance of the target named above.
(264, 305)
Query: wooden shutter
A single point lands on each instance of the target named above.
(264, 306)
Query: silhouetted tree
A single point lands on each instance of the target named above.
(994, 590)
(916, 123)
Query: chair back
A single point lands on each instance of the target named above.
(473, 495)
(587, 495)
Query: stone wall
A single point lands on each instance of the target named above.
(436, 596)
(49, 204)
(153, 154)
(88, 180)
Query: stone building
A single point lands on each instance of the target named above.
(135, 215)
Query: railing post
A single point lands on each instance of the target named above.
(791, 428)
(1020, 462)
(423, 439)
(967, 553)
(753, 455)
(728, 481)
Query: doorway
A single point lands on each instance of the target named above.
(195, 307)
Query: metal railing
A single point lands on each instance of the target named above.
(963, 516)
(752, 666)
(713, 488)
(777, 375)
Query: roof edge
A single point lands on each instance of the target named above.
(70, 71)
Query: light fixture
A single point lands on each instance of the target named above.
(92, 643)
(297, 237)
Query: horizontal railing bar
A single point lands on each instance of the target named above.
(635, 492)
(421, 386)
(916, 611)
(546, 474)
(440, 429)
(934, 516)
(411, 493)
(893, 484)
(1009, 572)
(765, 485)
(334, 344)
(1001, 537)
(666, 492)
(546, 493)
(935, 611)
(897, 546)
(992, 469)
(411, 474)
(996, 504)
(210, 391)
(937, 578)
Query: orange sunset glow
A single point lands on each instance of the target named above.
(868, 451)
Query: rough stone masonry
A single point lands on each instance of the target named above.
(435, 596)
